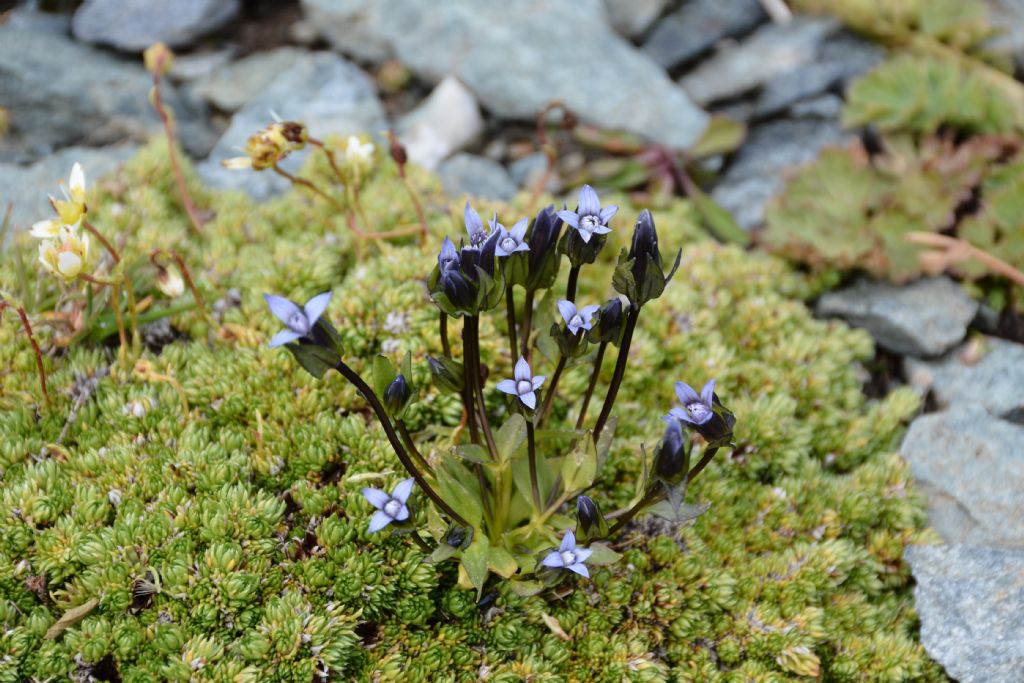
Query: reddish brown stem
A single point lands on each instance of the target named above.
(35, 346)
(103, 240)
(179, 176)
(186, 274)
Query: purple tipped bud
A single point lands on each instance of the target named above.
(397, 395)
(590, 523)
(672, 457)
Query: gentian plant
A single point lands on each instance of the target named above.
(496, 492)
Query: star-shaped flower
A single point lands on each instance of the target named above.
(511, 241)
(576, 320)
(299, 322)
(568, 556)
(696, 410)
(67, 255)
(523, 386)
(589, 218)
(474, 226)
(390, 508)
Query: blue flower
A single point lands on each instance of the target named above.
(589, 218)
(448, 257)
(696, 410)
(576, 320)
(511, 241)
(390, 508)
(299, 322)
(474, 226)
(568, 556)
(523, 386)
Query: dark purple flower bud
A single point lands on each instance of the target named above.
(448, 256)
(457, 288)
(608, 327)
(544, 236)
(672, 457)
(590, 523)
(644, 245)
(640, 273)
(397, 395)
(488, 252)
(447, 374)
(704, 413)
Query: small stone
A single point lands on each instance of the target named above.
(527, 171)
(328, 93)
(447, 121)
(925, 318)
(758, 170)
(351, 26)
(230, 87)
(995, 381)
(971, 604)
(477, 176)
(134, 25)
(697, 26)
(971, 465)
(196, 65)
(29, 186)
(771, 51)
(632, 18)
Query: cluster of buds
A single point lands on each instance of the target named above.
(268, 147)
(63, 249)
(474, 489)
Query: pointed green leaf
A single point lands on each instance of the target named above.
(510, 437)
(475, 559)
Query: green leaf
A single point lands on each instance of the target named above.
(602, 555)
(604, 442)
(717, 220)
(460, 491)
(687, 512)
(472, 452)
(525, 588)
(510, 437)
(315, 359)
(723, 135)
(579, 466)
(442, 552)
(475, 559)
(502, 563)
(383, 372)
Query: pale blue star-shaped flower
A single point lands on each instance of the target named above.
(576, 320)
(298, 321)
(390, 508)
(696, 410)
(474, 226)
(589, 218)
(524, 386)
(568, 556)
(511, 241)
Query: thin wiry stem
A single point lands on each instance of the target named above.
(620, 371)
(179, 177)
(549, 395)
(510, 316)
(531, 442)
(570, 288)
(35, 345)
(442, 324)
(591, 385)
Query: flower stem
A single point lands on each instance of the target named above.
(396, 444)
(593, 383)
(485, 422)
(531, 443)
(570, 287)
(527, 324)
(510, 315)
(442, 325)
(103, 240)
(179, 177)
(35, 345)
(330, 159)
(296, 180)
(549, 395)
(652, 494)
(421, 543)
(403, 431)
(708, 456)
(620, 371)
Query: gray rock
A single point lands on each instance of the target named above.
(233, 85)
(1008, 17)
(326, 92)
(477, 176)
(61, 93)
(447, 121)
(517, 56)
(27, 19)
(840, 58)
(197, 65)
(772, 50)
(134, 25)
(632, 18)
(758, 170)
(972, 466)
(527, 171)
(971, 604)
(356, 27)
(28, 187)
(995, 381)
(924, 318)
(825, 106)
(697, 26)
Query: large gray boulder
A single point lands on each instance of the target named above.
(517, 56)
(924, 318)
(697, 26)
(971, 604)
(993, 380)
(134, 25)
(971, 465)
(326, 92)
(60, 93)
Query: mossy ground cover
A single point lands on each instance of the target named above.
(226, 540)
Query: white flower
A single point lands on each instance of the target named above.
(358, 151)
(66, 256)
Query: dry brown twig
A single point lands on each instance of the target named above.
(948, 251)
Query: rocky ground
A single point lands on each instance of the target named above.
(462, 81)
